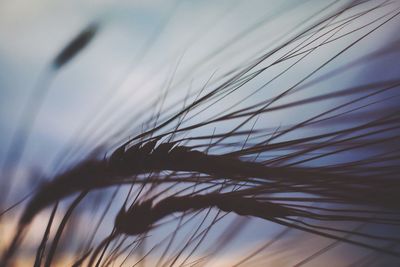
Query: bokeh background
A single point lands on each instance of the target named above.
(147, 49)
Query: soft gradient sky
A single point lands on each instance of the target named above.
(142, 46)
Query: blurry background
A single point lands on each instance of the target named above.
(146, 49)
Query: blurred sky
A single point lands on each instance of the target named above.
(139, 44)
(139, 47)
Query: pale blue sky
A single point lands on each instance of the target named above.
(138, 47)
